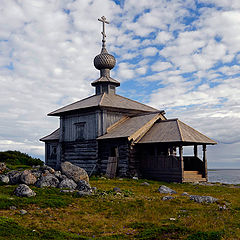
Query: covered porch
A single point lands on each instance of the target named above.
(160, 153)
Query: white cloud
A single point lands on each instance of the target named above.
(150, 51)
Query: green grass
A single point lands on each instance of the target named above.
(136, 213)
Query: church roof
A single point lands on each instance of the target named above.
(132, 127)
(173, 130)
(104, 100)
(52, 136)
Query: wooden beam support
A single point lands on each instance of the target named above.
(205, 173)
(181, 161)
(195, 151)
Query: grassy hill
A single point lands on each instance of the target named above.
(138, 212)
(15, 158)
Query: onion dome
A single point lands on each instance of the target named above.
(104, 60)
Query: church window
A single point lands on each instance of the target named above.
(79, 127)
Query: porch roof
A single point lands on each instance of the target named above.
(174, 131)
(52, 136)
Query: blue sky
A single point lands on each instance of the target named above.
(182, 56)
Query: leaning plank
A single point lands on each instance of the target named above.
(111, 167)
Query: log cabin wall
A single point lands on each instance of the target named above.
(82, 153)
(51, 153)
(106, 150)
(155, 163)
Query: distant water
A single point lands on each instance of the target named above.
(229, 176)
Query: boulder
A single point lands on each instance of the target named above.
(24, 191)
(4, 179)
(74, 172)
(14, 177)
(49, 169)
(166, 198)
(84, 186)
(165, 189)
(202, 199)
(67, 183)
(3, 167)
(47, 181)
(27, 177)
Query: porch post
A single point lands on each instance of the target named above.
(181, 161)
(195, 151)
(205, 162)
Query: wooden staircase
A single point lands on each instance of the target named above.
(193, 176)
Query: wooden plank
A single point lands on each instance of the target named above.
(117, 123)
(111, 167)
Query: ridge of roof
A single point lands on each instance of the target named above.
(104, 100)
(179, 130)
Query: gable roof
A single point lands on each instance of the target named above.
(132, 127)
(52, 136)
(104, 100)
(173, 130)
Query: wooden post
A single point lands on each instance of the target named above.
(181, 161)
(205, 162)
(195, 151)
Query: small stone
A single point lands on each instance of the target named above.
(145, 184)
(117, 189)
(4, 179)
(172, 219)
(24, 191)
(94, 189)
(184, 194)
(166, 198)
(222, 208)
(67, 190)
(201, 199)
(135, 178)
(12, 207)
(165, 189)
(23, 212)
(83, 193)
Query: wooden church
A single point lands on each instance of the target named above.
(109, 134)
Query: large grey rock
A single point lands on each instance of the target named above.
(4, 179)
(84, 186)
(67, 183)
(24, 191)
(165, 189)
(74, 172)
(201, 199)
(14, 177)
(47, 181)
(83, 193)
(27, 177)
(2, 167)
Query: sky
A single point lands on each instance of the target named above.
(181, 56)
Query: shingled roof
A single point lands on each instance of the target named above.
(173, 130)
(52, 136)
(104, 100)
(132, 127)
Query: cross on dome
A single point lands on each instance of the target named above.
(103, 20)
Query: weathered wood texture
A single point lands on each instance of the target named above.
(106, 150)
(70, 122)
(112, 167)
(83, 154)
(164, 168)
(51, 155)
